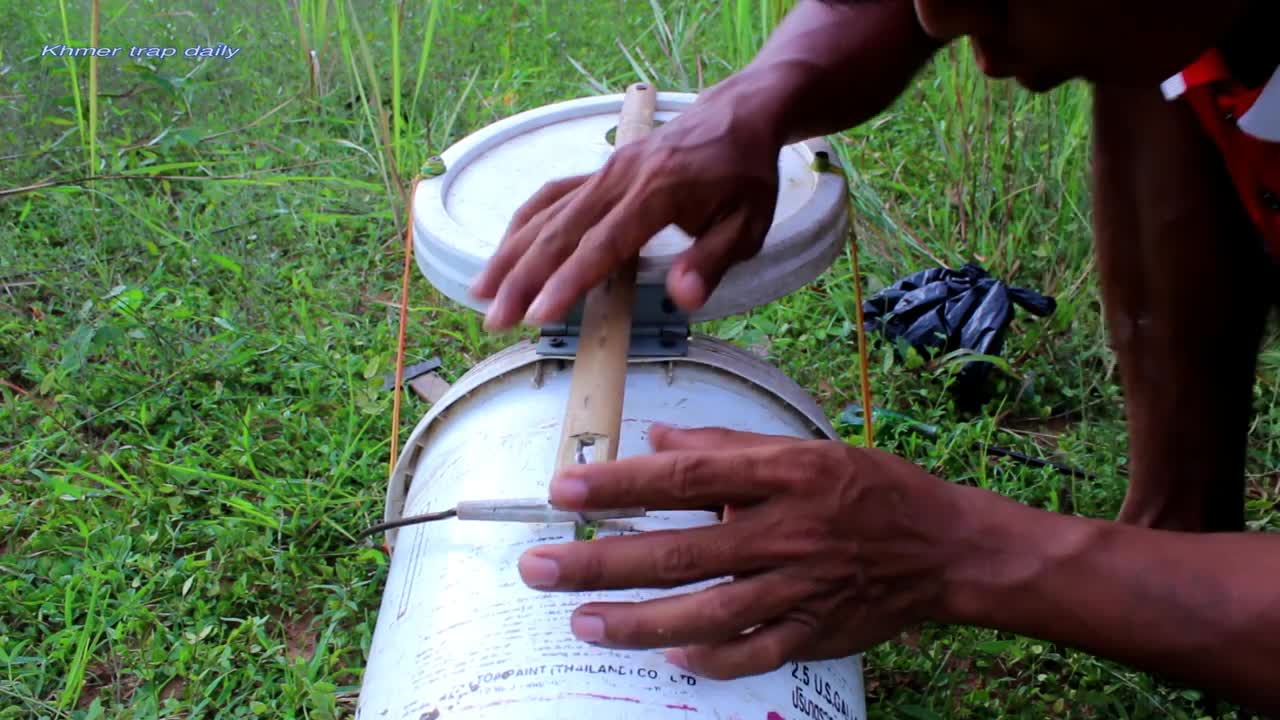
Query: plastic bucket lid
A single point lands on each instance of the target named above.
(460, 216)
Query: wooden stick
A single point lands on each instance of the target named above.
(593, 416)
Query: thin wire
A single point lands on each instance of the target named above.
(410, 520)
(400, 341)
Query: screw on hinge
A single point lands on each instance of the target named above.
(589, 446)
(556, 341)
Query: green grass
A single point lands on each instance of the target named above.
(192, 428)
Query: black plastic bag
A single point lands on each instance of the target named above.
(940, 310)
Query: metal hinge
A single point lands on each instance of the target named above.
(658, 328)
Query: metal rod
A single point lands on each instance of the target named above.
(409, 520)
(523, 510)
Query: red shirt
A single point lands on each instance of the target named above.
(1244, 122)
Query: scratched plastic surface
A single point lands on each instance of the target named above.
(459, 636)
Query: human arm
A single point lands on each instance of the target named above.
(712, 171)
(828, 66)
(1201, 607)
(834, 549)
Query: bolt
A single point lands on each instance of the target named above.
(556, 342)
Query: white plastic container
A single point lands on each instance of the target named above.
(459, 636)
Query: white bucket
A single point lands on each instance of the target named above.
(459, 635)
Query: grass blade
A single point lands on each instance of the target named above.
(95, 31)
(427, 40)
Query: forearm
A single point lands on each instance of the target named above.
(829, 66)
(1201, 607)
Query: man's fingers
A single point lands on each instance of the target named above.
(502, 313)
(714, 615)
(546, 196)
(763, 650)
(664, 438)
(656, 559)
(515, 241)
(697, 272)
(615, 239)
(674, 480)
(555, 240)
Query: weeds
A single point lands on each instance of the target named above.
(192, 345)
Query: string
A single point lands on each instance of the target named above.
(400, 332)
(864, 373)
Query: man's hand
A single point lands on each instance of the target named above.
(711, 172)
(832, 549)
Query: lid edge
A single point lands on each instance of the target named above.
(808, 254)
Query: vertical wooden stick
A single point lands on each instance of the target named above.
(593, 416)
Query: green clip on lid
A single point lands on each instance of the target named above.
(461, 215)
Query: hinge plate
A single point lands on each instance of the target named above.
(658, 328)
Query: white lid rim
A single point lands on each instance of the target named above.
(539, 117)
(805, 248)
(451, 274)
